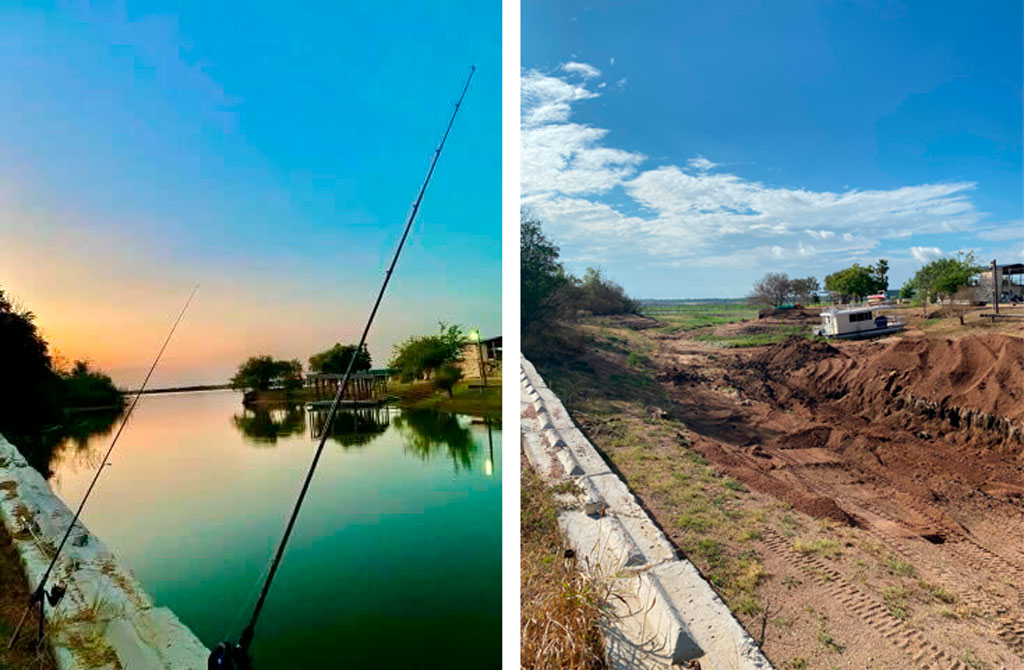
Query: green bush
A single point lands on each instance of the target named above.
(336, 359)
(421, 357)
(447, 377)
(260, 373)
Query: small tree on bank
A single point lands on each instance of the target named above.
(335, 360)
(261, 373)
(858, 281)
(943, 277)
(420, 357)
(542, 279)
(774, 289)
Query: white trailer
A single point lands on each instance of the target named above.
(857, 322)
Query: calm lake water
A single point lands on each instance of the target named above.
(395, 559)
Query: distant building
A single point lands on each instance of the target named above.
(1011, 283)
(490, 349)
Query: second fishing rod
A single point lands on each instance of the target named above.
(236, 656)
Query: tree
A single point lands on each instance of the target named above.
(84, 387)
(805, 290)
(30, 391)
(855, 281)
(335, 360)
(907, 291)
(541, 276)
(420, 357)
(945, 276)
(772, 289)
(961, 301)
(880, 271)
(600, 296)
(261, 373)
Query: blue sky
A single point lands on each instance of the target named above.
(688, 148)
(268, 151)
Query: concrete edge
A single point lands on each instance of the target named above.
(106, 619)
(666, 613)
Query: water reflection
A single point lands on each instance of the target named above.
(429, 433)
(47, 448)
(263, 425)
(352, 427)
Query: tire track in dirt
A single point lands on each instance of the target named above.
(974, 559)
(924, 655)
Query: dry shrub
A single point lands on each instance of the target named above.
(561, 605)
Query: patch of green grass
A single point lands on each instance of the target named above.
(683, 317)
(973, 661)
(798, 663)
(791, 581)
(755, 340)
(899, 566)
(750, 535)
(895, 599)
(824, 546)
(937, 592)
(732, 484)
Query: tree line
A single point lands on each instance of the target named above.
(425, 357)
(942, 278)
(551, 297)
(38, 388)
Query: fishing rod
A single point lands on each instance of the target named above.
(236, 656)
(41, 596)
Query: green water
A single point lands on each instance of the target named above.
(395, 559)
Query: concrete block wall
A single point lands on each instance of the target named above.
(666, 613)
(106, 620)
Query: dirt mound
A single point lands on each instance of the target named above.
(793, 353)
(984, 373)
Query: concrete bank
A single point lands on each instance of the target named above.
(665, 612)
(105, 620)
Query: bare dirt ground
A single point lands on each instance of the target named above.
(857, 504)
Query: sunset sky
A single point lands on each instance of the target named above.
(268, 154)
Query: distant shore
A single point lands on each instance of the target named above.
(183, 389)
(467, 397)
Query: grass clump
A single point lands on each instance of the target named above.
(895, 600)
(824, 546)
(561, 606)
(899, 566)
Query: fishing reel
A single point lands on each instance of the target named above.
(228, 656)
(53, 596)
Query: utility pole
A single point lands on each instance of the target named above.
(995, 284)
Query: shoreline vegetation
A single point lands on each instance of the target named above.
(424, 372)
(468, 397)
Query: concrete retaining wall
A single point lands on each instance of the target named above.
(106, 620)
(666, 613)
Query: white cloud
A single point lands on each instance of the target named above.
(1010, 232)
(585, 70)
(547, 99)
(601, 203)
(611, 61)
(925, 254)
(700, 163)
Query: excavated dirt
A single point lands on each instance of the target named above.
(917, 441)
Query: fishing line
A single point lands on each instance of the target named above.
(40, 595)
(227, 655)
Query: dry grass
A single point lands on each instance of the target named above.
(13, 597)
(561, 606)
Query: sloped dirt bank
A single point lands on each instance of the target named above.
(919, 442)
